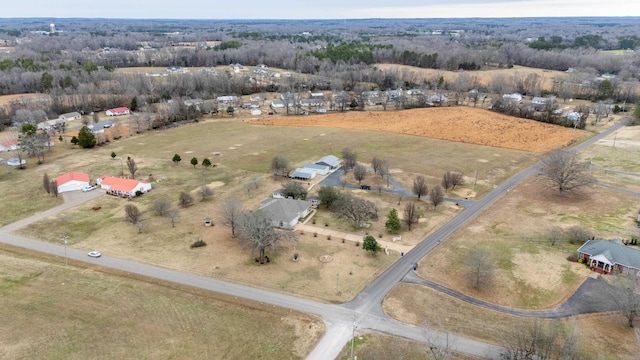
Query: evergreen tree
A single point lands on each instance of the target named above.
(370, 244)
(86, 139)
(393, 223)
(176, 158)
(194, 162)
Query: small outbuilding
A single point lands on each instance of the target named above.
(303, 174)
(319, 169)
(333, 162)
(72, 181)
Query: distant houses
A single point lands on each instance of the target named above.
(9, 145)
(70, 116)
(118, 111)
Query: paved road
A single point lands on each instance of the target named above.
(585, 300)
(365, 310)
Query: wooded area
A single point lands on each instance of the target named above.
(76, 65)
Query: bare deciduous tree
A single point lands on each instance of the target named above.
(420, 187)
(540, 339)
(280, 165)
(205, 192)
(349, 159)
(480, 267)
(626, 299)
(161, 206)
(173, 215)
(376, 164)
(411, 214)
(577, 234)
(232, 211)
(451, 179)
(54, 188)
(132, 214)
(565, 171)
(256, 230)
(556, 234)
(436, 196)
(359, 173)
(446, 181)
(46, 183)
(133, 167)
(456, 179)
(355, 209)
(185, 200)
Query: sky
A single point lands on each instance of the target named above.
(314, 9)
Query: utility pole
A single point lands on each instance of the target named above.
(353, 335)
(615, 136)
(65, 239)
(337, 283)
(475, 179)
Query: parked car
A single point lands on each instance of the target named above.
(94, 254)
(365, 187)
(88, 188)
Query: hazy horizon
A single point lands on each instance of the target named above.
(325, 10)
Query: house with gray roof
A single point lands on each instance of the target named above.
(285, 213)
(333, 162)
(99, 127)
(610, 256)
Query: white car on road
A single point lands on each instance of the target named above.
(88, 188)
(94, 254)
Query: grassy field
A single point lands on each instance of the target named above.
(50, 311)
(384, 347)
(530, 271)
(618, 152)
(483, 76)
(604, 336)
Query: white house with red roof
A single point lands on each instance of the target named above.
(118, 111)
(9, 145)
(72, 181)
(122, 187)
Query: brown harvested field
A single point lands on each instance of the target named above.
(52, 311)
(459, 124)
(484, 76)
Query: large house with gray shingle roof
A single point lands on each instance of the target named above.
(285, 213)
(610, 256)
